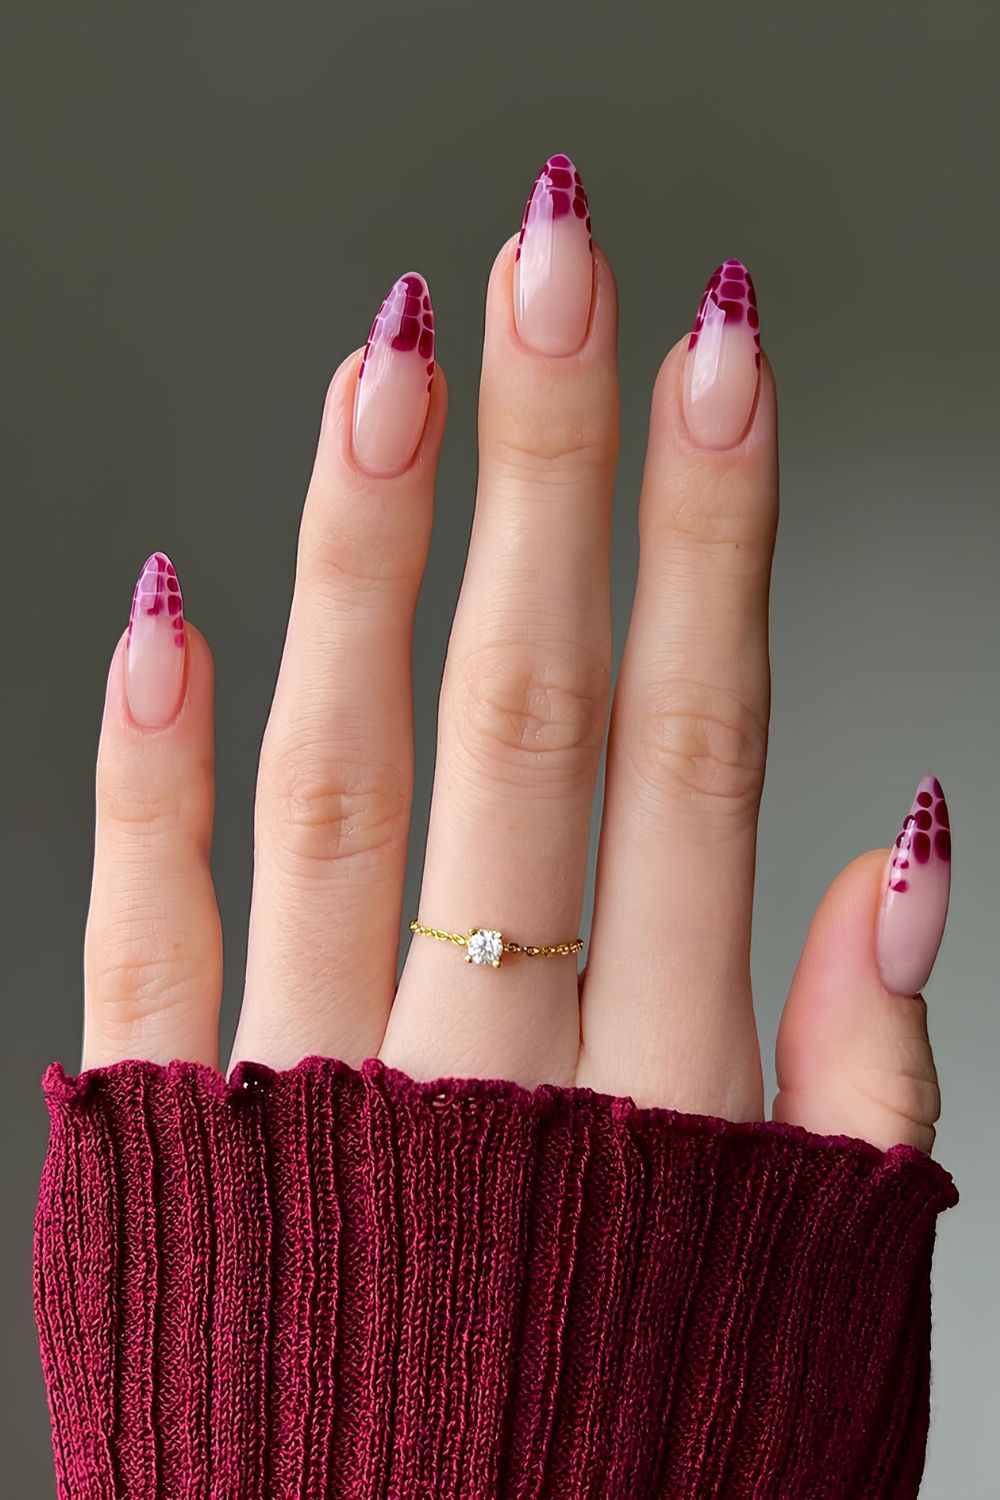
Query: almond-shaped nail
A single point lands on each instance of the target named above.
(915, 900)
(722, 366)
(554, 265)
(155, 645)
(394, 379)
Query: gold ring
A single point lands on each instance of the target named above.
(485, 945)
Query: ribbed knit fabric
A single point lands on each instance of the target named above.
(330, 1282)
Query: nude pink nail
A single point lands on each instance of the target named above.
(554, 266)
(722, 368)
(915, 902)
(155, 644)
(394, 380)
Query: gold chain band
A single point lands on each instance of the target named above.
(486, 945)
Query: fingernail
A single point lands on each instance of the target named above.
(722, 368)
(155, 646)
(915, 902)
(554, 266)
(394, 381)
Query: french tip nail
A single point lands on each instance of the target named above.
(722, 368)
(729, 296)
(559, 188)
(404, 322)
(554, 261)
(157, 596)
(155, 643)
(914, 906)
(395, 378)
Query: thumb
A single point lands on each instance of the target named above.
(853, 1055)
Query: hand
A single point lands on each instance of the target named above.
(664, 1010)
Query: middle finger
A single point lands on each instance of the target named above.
(525, 689)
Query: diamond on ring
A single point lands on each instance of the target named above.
(485, 946)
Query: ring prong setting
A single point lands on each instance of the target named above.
(484, 946)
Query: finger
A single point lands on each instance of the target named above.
(336, 764)
(688, 736)
(523, 700)
(153, 947)
(853, 1055)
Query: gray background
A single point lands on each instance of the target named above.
(202, 208)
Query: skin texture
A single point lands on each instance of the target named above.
(664, 1010)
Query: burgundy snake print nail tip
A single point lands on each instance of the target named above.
(158, 594)
(405, 322)
(730, 296)
(558, 193)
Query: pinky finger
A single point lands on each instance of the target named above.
(153, 948)
(853, 1054)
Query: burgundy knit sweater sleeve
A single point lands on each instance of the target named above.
(330, 1282)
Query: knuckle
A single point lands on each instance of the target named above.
(902, 1109)
(543, 446)
(135, 811)
(524, 708)
(903, 1083)
(357, 551)
(700, 744)
(712, 511)
(142, 975)
(320, 811)
(135, 989)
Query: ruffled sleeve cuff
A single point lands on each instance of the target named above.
(339, 1282)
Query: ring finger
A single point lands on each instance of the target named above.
(689, 734)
